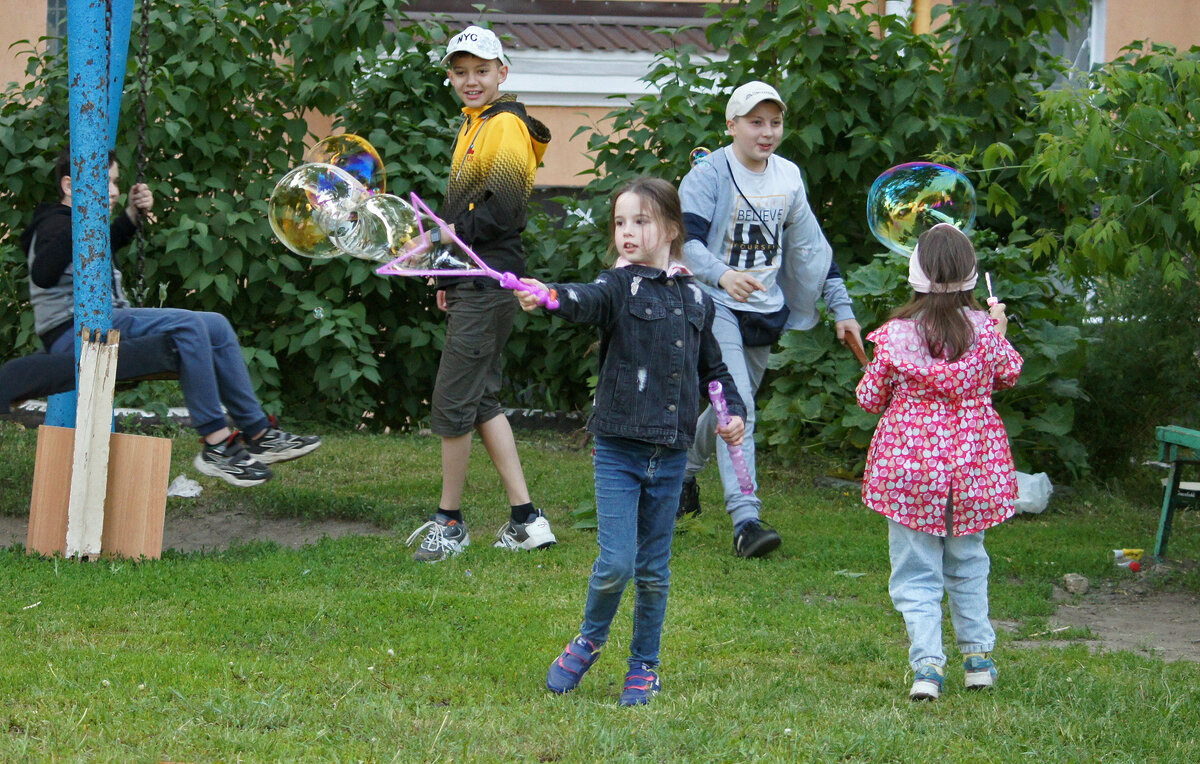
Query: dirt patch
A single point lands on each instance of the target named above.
(1129, 615)
(218, 530)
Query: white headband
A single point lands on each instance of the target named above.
(921, 283)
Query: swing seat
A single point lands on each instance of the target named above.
(40, 374)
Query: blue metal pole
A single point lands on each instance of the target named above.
(88, 71)
(95, 107)
(122, 22)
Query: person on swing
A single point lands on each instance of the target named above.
(212, 371)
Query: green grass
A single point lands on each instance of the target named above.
(347, 650)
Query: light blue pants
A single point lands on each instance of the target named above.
(746, 366)
(926, 567)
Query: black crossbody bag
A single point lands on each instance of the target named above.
(758, 328)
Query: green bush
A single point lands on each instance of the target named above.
(1142, 369)
(858, 104)
(809, 392)
(332, 340)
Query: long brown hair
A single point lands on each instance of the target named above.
(663, 200)
(946, 256)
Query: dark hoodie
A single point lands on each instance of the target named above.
(51, 271)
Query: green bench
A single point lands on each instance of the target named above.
(1177, 447)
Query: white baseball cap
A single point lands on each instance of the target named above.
(477, 41)
(745, 97)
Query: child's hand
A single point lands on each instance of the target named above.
(999, 318)
(141, 202)
(529, 300)
(739, 285)
(732, 432)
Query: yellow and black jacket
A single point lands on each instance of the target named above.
(496, 154)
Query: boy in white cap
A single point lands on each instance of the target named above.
(496, 154)
(756, 248)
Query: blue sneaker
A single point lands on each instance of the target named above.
(927, 684)
(981, 671)
(569, 668)
(641, 684)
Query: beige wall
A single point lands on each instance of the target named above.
(1176, 22)
(24, 20)
(566, 156)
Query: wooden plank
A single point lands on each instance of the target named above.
(93, 424)
(138, 473)
(1180, 436)
(51, 491)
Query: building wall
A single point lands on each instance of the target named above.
(24, 20)
(1176, 22)
(538, 82)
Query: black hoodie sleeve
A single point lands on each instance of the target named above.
(52, 251)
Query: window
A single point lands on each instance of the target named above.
(56, 23)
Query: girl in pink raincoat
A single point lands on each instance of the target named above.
(939, 467)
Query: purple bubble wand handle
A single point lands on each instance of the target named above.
(716, 394)
(546, 297)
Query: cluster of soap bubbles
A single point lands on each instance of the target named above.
(336, 204)
(909, 199)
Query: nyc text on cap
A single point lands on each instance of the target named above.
(479, 42)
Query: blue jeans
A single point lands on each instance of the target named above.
(212, 370)
(637, 493)
(746, 365)
(924, 567)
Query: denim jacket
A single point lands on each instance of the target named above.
(657, 353)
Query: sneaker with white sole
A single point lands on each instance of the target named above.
(276, 445)
(443, 538)
(927, 684)
(981, 671)
(231, 462)
(535, 534)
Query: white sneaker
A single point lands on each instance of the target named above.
(927, 684)
(535, 534)
(443, 538)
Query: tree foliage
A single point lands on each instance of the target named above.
(230, 83)
(859, 103)
(1123, 157)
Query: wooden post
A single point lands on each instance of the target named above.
(94, 490)
(93, 425)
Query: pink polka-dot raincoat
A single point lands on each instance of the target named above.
(939, 432)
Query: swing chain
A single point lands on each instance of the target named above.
(139, 291)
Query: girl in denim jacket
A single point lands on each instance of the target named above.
(657, 356)
(940, 468)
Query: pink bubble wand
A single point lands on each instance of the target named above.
(991, 300)
(508, 280)
(716, 394)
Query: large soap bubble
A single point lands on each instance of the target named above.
(354, 155)
(313, 203)
(911, 198)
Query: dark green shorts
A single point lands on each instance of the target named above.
(466, 393)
